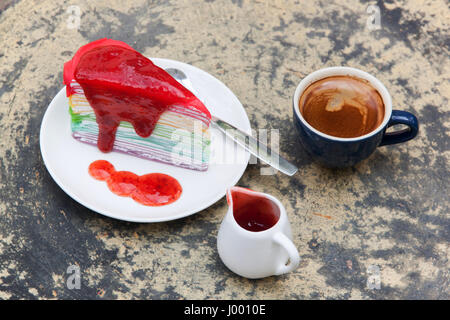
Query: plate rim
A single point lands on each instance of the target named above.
(184, 214)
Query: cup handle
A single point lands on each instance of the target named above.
(401, 117)
(294, 258)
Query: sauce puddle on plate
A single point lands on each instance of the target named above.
(152, 189)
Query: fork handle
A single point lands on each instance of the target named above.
(255, 147)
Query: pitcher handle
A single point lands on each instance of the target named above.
(294, 258)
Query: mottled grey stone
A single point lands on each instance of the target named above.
(390, 211)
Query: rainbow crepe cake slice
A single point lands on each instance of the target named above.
(120, 101)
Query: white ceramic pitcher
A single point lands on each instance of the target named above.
(256, 254)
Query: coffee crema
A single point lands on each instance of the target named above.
(342, 106)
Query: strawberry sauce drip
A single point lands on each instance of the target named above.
(153, 189)
(123, 85)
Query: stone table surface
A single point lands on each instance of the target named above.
(389, 212)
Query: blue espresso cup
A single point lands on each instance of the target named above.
(344, 152)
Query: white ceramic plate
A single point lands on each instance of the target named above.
(68, 160)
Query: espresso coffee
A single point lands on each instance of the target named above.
(342, 106)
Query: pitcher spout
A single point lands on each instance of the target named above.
(252, 210)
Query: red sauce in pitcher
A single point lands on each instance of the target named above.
(253, 211)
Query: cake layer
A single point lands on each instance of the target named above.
(122, 85)
(181, 136)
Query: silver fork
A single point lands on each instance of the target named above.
(255, 147)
